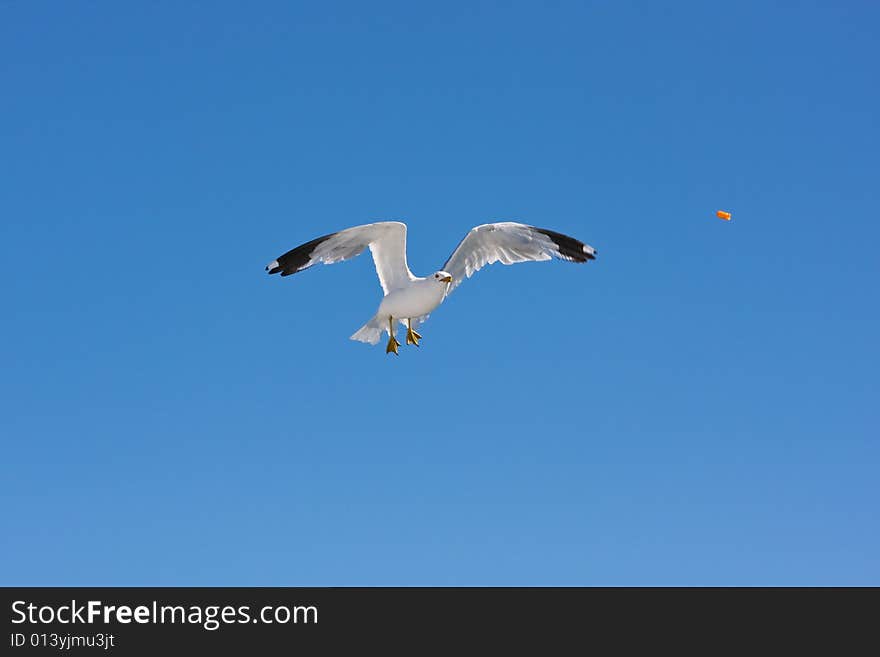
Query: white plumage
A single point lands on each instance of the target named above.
(409, 298)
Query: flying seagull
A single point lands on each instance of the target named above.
(408, 298)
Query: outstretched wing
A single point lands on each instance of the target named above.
(509, 242)
(387, 242)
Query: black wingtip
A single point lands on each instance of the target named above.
(569, 248)
(296, 259)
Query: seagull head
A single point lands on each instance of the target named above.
(442, 277)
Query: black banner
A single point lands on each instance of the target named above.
(126, 621)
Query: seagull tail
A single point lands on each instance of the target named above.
(370, 332)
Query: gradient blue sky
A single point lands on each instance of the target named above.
(699, 406)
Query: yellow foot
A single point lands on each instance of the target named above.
(412, 337)
(393, 344)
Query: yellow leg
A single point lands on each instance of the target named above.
(393, 344)
(411, 336)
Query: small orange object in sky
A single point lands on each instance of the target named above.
(721, 214)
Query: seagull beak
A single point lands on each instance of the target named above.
(446, 279)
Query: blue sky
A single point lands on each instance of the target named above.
(699, 406)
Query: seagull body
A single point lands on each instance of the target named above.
(410, 299)
(417, 299)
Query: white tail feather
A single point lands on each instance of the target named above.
(371, 331)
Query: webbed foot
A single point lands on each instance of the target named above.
(393, 344)
(412, 337)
